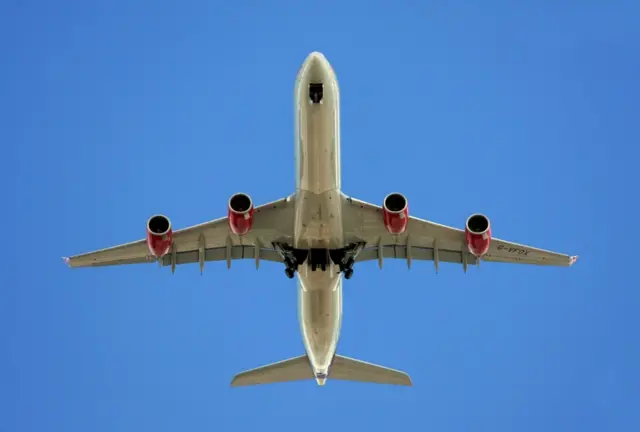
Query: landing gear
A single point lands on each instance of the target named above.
(291, 265)
(347, 267)
(319, 259)
(289, 272)
(316, 92)
(291, 257)
(346, 258)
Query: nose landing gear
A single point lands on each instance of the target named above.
(316, 91)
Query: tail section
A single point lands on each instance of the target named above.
(342, 368)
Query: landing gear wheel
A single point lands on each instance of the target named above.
(289, 272)
(348, 273)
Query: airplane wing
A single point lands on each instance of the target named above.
(210, 241)
(424, 240)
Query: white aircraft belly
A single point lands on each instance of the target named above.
(320, 315)
(318, 221)
(318, 215)
(318, 137)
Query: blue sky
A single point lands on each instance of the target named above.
(112, 111)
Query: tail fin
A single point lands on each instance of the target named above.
(293, 369)
(342, 368)
(348, 369)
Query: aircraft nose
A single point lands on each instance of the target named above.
(317, 68)
(316, 58)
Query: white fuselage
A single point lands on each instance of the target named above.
(318, 214)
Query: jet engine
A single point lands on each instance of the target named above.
(395, 212)
(478, 234)
(240, 213)
(159, 235)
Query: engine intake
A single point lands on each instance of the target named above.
(159, 235)
(395, 212)
(240, 213)
(478, 234)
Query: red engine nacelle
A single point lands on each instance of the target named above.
(159, 235)
(240, 213)
(478, 234)
(395, 210)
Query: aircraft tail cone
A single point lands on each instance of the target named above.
(321, 378)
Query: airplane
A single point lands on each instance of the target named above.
(319, 233)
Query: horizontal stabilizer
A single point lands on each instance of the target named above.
(348, 369)
(293, 369)
(342, 368)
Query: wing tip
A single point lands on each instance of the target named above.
(408, 382)
(573, 259)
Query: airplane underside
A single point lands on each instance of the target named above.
(319, 233)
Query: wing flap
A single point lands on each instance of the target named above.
(536, 256)
(220, 254)
(399, 251)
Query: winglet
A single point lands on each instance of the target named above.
(573, 260)
(66, 261)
